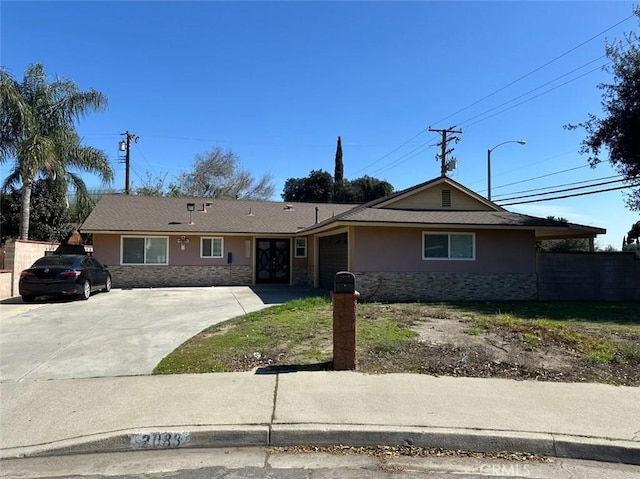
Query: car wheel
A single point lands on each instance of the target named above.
(107, 284)
(86, 290)
(28, 298)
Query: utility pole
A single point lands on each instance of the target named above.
(125, 145)
(443, 144)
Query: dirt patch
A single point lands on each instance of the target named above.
(456, 339)
(450, 345)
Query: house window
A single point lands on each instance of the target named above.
(145, 250)
(460, 246)
(301, 248)
(211, 247)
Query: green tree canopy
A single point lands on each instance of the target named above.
(315, 188)
(633, 236)
(37, 132)
(618, 133)
(50, 215)
(320, 187)
(367, 189)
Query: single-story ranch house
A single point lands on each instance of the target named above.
(435, 241)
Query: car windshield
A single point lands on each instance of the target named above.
(56, 261)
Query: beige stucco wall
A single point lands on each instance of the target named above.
(302, 268)
(400, 250)
(6, 283)
(21, 254)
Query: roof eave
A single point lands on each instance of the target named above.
(573, 231)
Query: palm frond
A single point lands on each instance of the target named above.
(13, 180)
(91, 160)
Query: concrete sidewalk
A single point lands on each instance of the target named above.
(582, 421)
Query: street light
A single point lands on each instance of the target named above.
(520, 142)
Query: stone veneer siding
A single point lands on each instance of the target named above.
(302, 276)
(416, 286)
(166, 276)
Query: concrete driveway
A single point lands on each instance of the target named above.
(121, 333)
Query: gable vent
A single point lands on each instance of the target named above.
(446, 198)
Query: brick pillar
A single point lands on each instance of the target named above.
(344, 331)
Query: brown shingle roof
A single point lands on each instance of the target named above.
(438, 218)
(488, 218)
(124, 213)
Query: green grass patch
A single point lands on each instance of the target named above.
(298, 329)
(616, 315)
(300, 333)
(593, 342)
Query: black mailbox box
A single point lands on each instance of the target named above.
(345, 282)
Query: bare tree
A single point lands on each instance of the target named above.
(218, 174)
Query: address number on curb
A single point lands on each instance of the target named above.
(156, 440)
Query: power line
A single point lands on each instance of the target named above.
(563, 190)
(522, 95)
(536, 69)
(392, 151)
(526, 166)
(572, 195)
(542, 176)
(397, 162)
(538, 88)
(557, 186)
(536, 96)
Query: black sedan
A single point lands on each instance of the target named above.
(64, 274)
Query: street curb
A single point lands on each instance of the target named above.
(160, 438)
(546, 444)
(279, 435)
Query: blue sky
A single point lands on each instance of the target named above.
(277, 82)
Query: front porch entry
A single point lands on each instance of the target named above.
(273, 260)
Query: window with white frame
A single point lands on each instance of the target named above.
(461, 246)
(211, 247)
(301, 248)
(145, 250)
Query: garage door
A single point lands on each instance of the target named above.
(333, 257)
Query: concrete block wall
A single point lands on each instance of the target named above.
(588, 276)
(166, 276)
(418, 286)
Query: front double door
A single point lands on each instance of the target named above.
(273, 260)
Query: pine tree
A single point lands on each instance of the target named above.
(338, 176)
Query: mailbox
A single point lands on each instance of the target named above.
(345, 283)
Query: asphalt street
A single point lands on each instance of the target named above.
(258, 463)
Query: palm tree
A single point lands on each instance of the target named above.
(37, 130)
